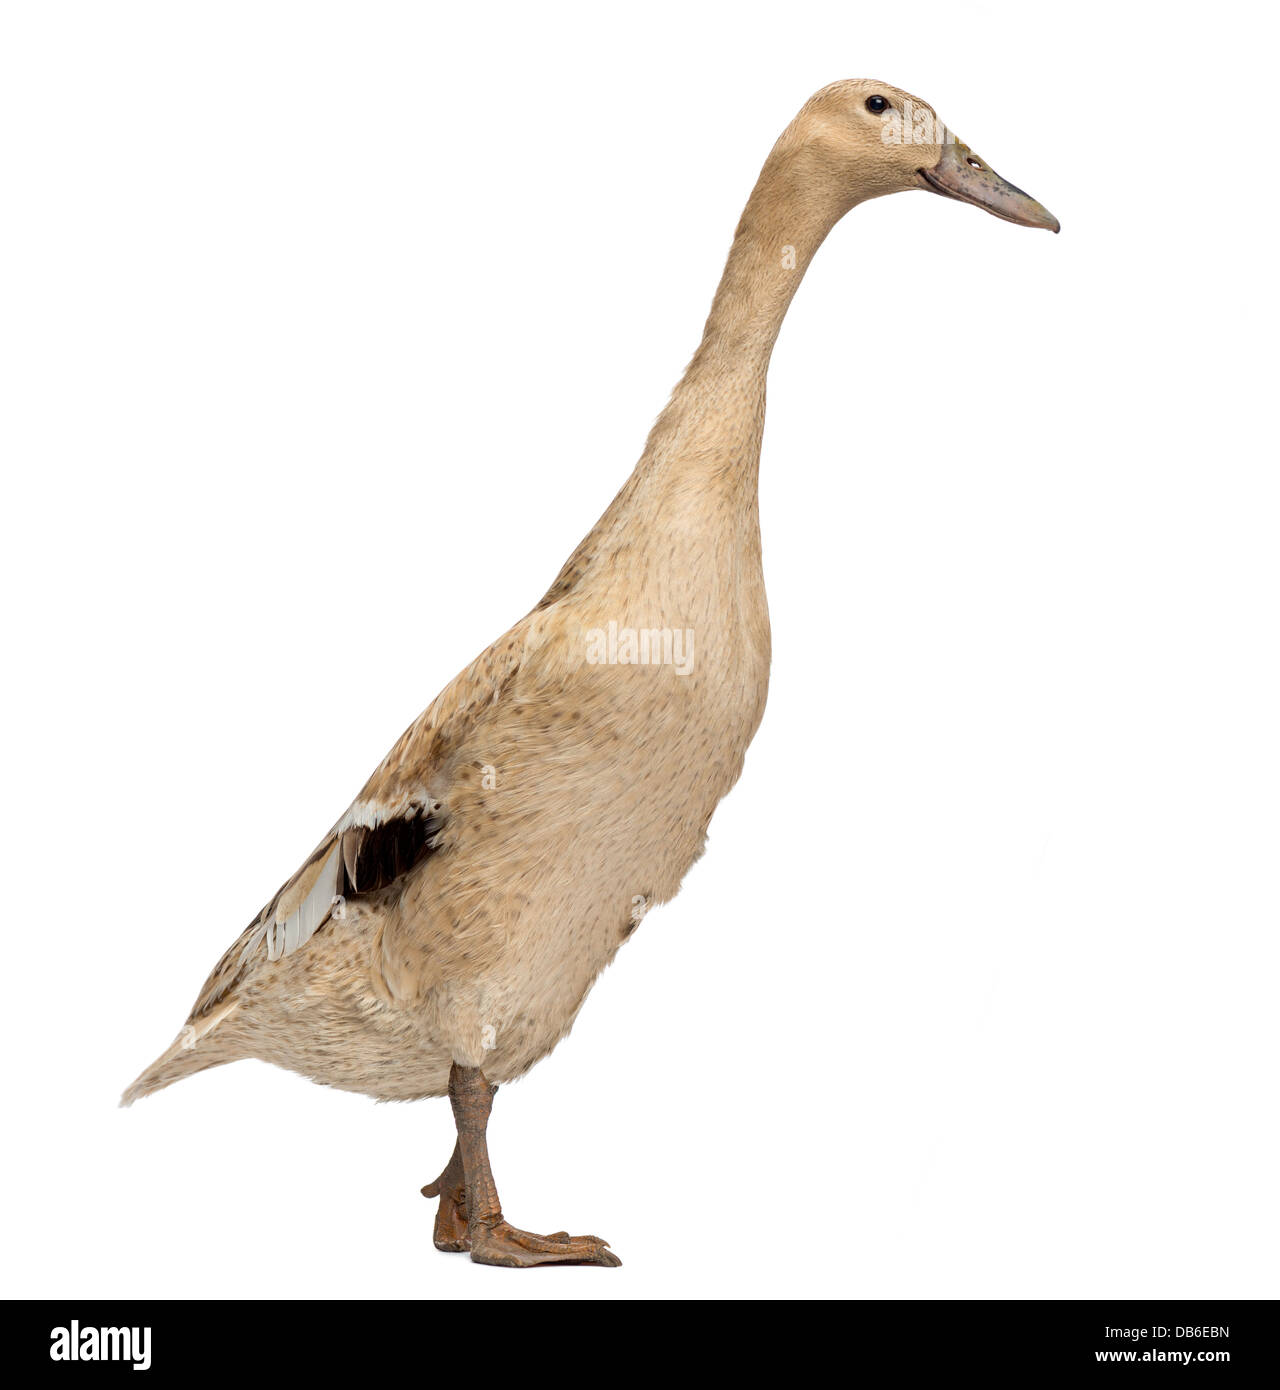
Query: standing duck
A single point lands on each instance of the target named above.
(444, 934)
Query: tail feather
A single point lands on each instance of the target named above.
(185, 1056)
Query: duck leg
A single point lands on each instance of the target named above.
(451, 1215)
(490, 1237)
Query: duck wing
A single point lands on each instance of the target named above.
(390, 828)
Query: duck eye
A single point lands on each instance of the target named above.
(876, 104)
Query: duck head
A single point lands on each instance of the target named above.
(892, 142)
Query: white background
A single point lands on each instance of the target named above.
(328, 330)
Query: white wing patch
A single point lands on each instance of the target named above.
(300, 911)
(371, 814)
(290, 932)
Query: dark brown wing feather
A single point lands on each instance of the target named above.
(373, 857)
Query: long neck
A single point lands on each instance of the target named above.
(713, 425)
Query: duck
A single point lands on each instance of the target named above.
(442, 937)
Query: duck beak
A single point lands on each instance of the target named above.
(961, 174)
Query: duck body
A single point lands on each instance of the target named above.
(573, 769)
(568, 808)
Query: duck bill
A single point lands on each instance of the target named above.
(962, 175)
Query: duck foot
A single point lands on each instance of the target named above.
(470, 1216)
(512, 1248)
(450, 1234)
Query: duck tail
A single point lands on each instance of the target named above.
(184, 1056)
